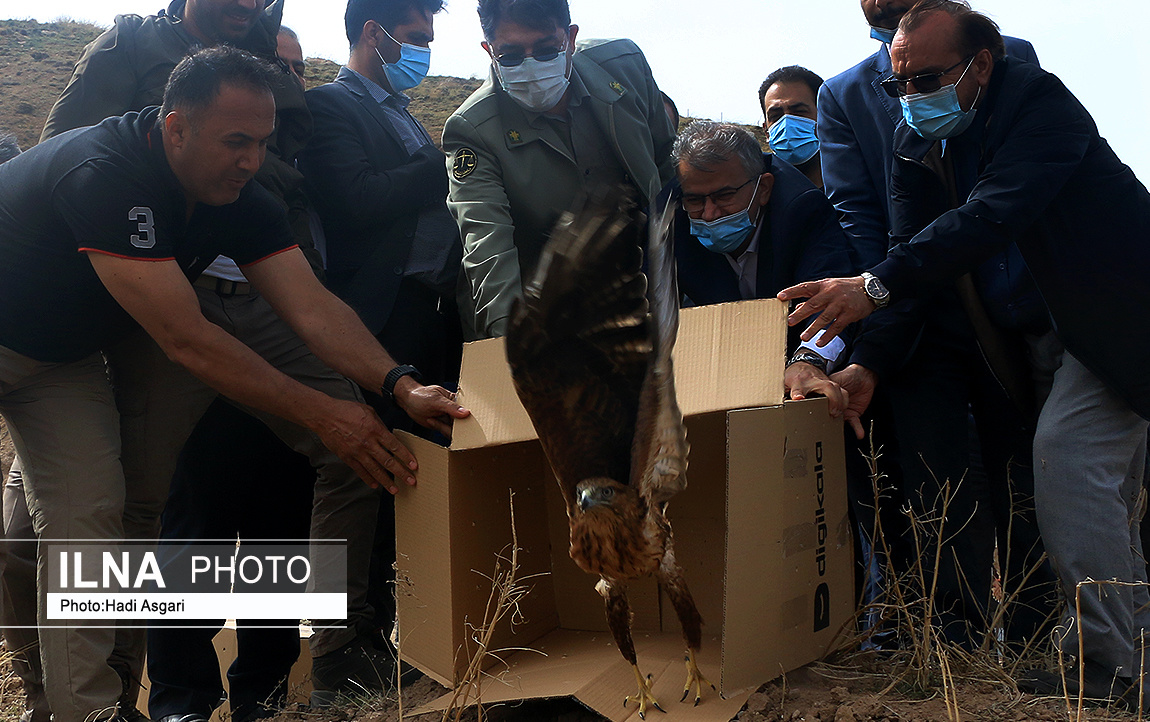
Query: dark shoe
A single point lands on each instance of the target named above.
(126, 706)
(354, 667)
(1098, 685)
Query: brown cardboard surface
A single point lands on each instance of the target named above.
(794, 598)
(486, 389)
(759, 555)
(727, 356)
(731, 356)
(443, 587)
(586, 665)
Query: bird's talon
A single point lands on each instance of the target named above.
(684, 697)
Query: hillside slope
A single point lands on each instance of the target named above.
(36, 61)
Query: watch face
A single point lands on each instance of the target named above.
(875, 289)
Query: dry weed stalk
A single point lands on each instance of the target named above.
(1081, 644)
(507, 591)
(926, 662)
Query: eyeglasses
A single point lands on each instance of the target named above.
(512, 60)
(925, 83)
(695, 202)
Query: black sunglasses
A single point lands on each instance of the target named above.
(512, 60)
(925, 83)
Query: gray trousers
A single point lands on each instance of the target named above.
(1089, 458)
(159, 404)
(18, 586)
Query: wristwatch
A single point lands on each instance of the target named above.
(809, 357)
(393, 377)
(875, 290)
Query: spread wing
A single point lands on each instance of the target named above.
(578, 342)
(659, 461)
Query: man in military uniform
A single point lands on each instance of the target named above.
(554, 120)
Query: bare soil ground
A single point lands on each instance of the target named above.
(848, 691)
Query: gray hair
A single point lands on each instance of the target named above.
(705, 144)
(9, 148)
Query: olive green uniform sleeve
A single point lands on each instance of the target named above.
(103, 82)
(478, 200)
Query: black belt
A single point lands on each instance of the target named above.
(224, 287)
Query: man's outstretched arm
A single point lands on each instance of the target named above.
(158, 296)
(334, 333)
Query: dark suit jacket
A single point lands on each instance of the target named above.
(800, 240)
(1050, 184)
(368, 191)
(855, 126)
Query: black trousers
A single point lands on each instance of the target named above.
(423, 330)
(959, 435)
(234, 478)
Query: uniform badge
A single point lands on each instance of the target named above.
(514, 136)
(618, 87)
(464, 163)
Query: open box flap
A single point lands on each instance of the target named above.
(727, 356)
(588, 667)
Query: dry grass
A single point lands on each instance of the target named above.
(507, 590)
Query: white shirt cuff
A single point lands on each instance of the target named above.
(831, 352)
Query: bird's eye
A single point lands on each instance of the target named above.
(608, 493)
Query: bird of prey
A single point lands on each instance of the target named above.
(593, 370)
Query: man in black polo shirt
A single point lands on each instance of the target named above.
(100, 230)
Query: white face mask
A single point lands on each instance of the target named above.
(537, 86)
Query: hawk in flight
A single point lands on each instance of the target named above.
(593, 370)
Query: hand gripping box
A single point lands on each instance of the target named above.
(761, 533)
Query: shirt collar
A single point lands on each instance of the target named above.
(378, 93)
(753, 246)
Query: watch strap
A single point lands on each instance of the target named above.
(395, 375)
(809, 357)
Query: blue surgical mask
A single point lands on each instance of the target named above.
(882, 34)
(793, 139)
(411, 68)
(726, 234)
(938, 115)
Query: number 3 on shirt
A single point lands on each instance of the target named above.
(146, 237)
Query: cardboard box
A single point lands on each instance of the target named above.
(761, 532)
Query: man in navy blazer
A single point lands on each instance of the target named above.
(1028, 166)
(929, 358)
(787, 232)
(391, 247)
(379, 184)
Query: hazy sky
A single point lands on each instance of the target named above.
(711, 55)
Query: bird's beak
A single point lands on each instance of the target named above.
(585, 499)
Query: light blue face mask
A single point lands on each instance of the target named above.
(938, 115)
(411, 68)
(793, 139)
(882, 34)
(726, 234)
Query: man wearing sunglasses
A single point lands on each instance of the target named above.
(1027, 166)
(924, 363)
(553, 122)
